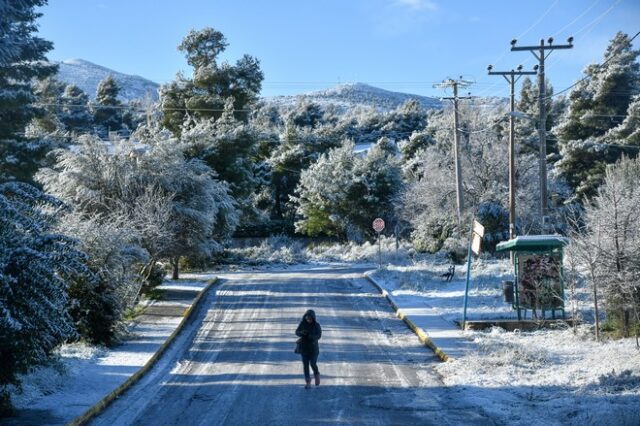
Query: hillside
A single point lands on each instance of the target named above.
(87, 75)
(355, 94)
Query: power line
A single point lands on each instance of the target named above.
(587, 10)
(586, 77)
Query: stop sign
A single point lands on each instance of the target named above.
(378, 225)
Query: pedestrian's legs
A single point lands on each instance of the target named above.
(305, 366)
(314, 366)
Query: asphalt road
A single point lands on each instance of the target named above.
(234, 364)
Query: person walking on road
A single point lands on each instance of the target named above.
(309, 332)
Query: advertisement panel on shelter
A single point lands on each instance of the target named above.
(539, 285)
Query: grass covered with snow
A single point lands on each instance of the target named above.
(281, 249)
(550, 376)
(544, 376)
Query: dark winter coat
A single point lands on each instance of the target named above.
(309, 334)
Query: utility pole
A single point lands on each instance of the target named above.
(510, 76)
(456, 140)
(540, 53)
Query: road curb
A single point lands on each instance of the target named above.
(104, 402)
(422, 335)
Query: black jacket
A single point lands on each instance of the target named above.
(309, 333)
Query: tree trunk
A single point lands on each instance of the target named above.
(595, 306)
(175, 262)
(625, 322)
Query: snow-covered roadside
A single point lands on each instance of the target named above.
(546, 376)
(80, 375)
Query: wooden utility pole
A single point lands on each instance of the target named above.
(540, 53)
(456, 140)
(510, 76)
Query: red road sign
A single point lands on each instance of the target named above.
(378, 225)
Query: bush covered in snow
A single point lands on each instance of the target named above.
(98, 301)
(275, 249)
(286, 250)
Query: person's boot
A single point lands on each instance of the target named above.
(308, 385)
(317, 377)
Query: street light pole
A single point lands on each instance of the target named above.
(510, 76)
(540, 53)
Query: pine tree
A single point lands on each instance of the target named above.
(341, 194)
(526, 129)
(228, 146)
(48, 93)
(212, 84)
(628, 132)
(598, 104)
(74, 113)
(377, 180)
(35, 265)
(22, 59)
(107, 112)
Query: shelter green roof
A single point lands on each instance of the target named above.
(533, 243)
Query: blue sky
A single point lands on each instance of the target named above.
(305, 45)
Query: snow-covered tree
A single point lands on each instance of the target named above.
(213, 83)
(429, 201)
(107, 111)
(377, 181)
(613, 217)
(527, 130)
(403, 121)
(22, 59)
(97, 301)
(322, 193)
(628, 132)
(125, 179)
(341, 193)
(48, 93)
(228, 146)
(35, 265)
(74, 113)
(598, 103)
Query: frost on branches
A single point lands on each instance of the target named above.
(35, 264)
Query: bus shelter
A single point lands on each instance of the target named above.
(539, 278)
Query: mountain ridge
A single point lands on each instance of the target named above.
(345, 96)
(349, 95)
(86, 75)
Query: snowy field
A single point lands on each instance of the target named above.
(546, 376)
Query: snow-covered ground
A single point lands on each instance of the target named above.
(545, 376)
(80, 374)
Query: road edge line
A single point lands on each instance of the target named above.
(104, 402)
(422, 335)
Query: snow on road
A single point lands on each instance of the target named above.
(235, 365)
